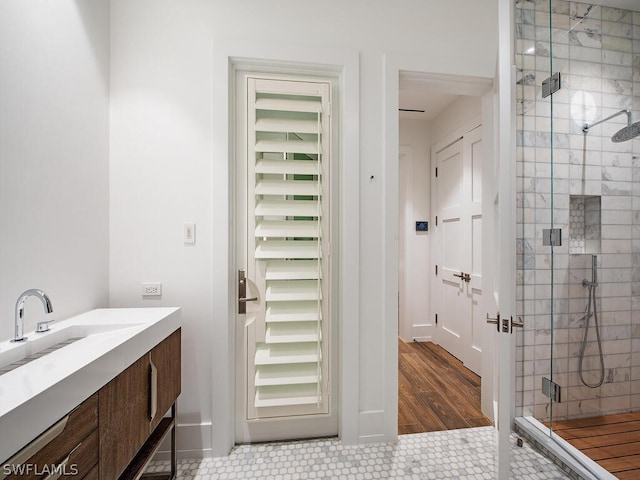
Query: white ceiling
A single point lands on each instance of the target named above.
(433, 93)
(432, 103)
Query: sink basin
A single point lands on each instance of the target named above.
(96, 347)
(14, 355)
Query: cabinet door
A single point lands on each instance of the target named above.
(165, 357)
(123, 418)
(73, 452)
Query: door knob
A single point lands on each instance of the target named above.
(463, 276)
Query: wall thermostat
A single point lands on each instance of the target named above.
(422, 226)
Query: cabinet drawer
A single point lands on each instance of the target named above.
(80, 423)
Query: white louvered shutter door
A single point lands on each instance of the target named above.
(288, 146)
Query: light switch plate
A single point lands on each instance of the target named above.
(189, 232)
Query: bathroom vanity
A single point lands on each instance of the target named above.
(97, 406)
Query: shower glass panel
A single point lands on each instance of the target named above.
(578, 154)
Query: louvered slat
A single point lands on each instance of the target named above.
(279, 229)
(292, 333)
(286, 354)
(287, 187)
(288, 105)
(286, 125)
(288, 167)
(293, 270)
(287, 249)
(292, 290)
(269, 207)
(293, 312)
(286, 374)
(289, 395)
(287, 146)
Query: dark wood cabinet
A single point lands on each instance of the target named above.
(124, 418)
(166, 359)
(132, 406)
(69, 448)
(113, 434)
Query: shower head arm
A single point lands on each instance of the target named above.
(587, 126)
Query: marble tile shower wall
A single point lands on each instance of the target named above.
(597, 51)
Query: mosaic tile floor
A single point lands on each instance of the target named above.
(453, 454)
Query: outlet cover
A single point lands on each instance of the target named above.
(151, 289)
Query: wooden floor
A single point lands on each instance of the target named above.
(611, 440)
(436, 391)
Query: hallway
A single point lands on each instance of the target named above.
(436, 392)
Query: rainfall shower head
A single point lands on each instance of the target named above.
(627, 133)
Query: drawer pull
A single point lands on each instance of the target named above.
(153, 400)
(61, 468)
(30, 450)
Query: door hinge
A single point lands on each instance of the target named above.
(330, 109)
(551, 85)
(436, 172)
(436, 269)
(436, 220)
(552, 390)
(436, 318)
(552, 237)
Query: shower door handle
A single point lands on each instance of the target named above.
(516, 323)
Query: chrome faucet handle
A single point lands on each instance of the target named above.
(42, 327)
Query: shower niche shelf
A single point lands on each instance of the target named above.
(584, 224)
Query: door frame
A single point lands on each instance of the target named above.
(230, 55)
(414, 69)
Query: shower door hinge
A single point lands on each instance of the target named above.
(551, 389)
(551, 85)
(552, 237)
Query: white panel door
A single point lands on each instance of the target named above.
(473, 154)
(450, 227)
(285, 386)
(459, 209)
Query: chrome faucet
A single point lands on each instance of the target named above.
(19, 319)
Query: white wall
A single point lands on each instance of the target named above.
(54, 81)
(460, 114)
(416, 190)
(162, 165)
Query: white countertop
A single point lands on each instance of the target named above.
(36, 395)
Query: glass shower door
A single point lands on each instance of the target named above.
(578, 222)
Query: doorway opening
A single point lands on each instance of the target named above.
(441, 325)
